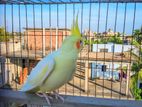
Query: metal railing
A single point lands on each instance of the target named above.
(65, 1)
(9, 98)
(31, 29)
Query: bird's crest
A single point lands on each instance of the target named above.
(75, 29)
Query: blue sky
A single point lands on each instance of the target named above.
(86, 24)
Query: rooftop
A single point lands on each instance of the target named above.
(66, 29)
(107, 56)
(93, 56)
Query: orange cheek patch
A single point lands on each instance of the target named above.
(78, 44)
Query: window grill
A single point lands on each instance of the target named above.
(31, 29)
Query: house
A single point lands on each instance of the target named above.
(104, 71)
(118, 50)
(128, 39)
(44, 39)
(106, 60)
(10, 46)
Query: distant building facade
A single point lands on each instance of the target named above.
(48, 38)
(110, 47)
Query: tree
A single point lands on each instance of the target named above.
(115, 39)
(138, 35)
(137, 66)
(4, 35)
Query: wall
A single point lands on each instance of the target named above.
(52, 39)
(113, 47)
(9, 47)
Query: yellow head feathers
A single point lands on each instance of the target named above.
(75, 29)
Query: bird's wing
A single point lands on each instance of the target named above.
(39, 74)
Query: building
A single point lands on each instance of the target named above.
(44, 39)
(107, 58)
(10, 46)
(111, 47)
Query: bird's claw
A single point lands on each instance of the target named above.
(46, 97)
(57, 96)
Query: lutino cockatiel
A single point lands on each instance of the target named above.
(56, 68)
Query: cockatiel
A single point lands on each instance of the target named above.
(57, 68)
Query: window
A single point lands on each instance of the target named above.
(23, 63)
(103, 50)
(140, 85)
(103, 68)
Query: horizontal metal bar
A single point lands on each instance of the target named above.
(68, 2)
(9, 96)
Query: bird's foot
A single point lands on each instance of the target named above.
(47, 97)
(57, 96)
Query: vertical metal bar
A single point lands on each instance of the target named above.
(13, 41)
(123, 49)
(86, 76)
(34, 29)
(129, 70)
(16, 59)
(27, 59)
(105, 44)
(81, 33)
(98, 26)
(89, 46)
(43, 32)
(44, 41)
(5, 24)
(66, 35)
(116, 13)
(57, 36)
(74, 19)
(50, 28)
(21, 38)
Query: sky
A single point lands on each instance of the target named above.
(97, 18)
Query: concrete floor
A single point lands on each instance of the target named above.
(96, 88)
(99, 88)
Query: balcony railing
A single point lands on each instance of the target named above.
(9, 97)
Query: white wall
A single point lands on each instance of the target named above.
(9, 47)
(111, 67)
(113, 47)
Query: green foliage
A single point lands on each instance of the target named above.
(134, 79)
(4, 36)
(115, 39)
(136, 66)
(86, 42)
(134, 42)
(138, 93)
(124, 68)
(138, 35)
(133, 85)
(103, 41)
